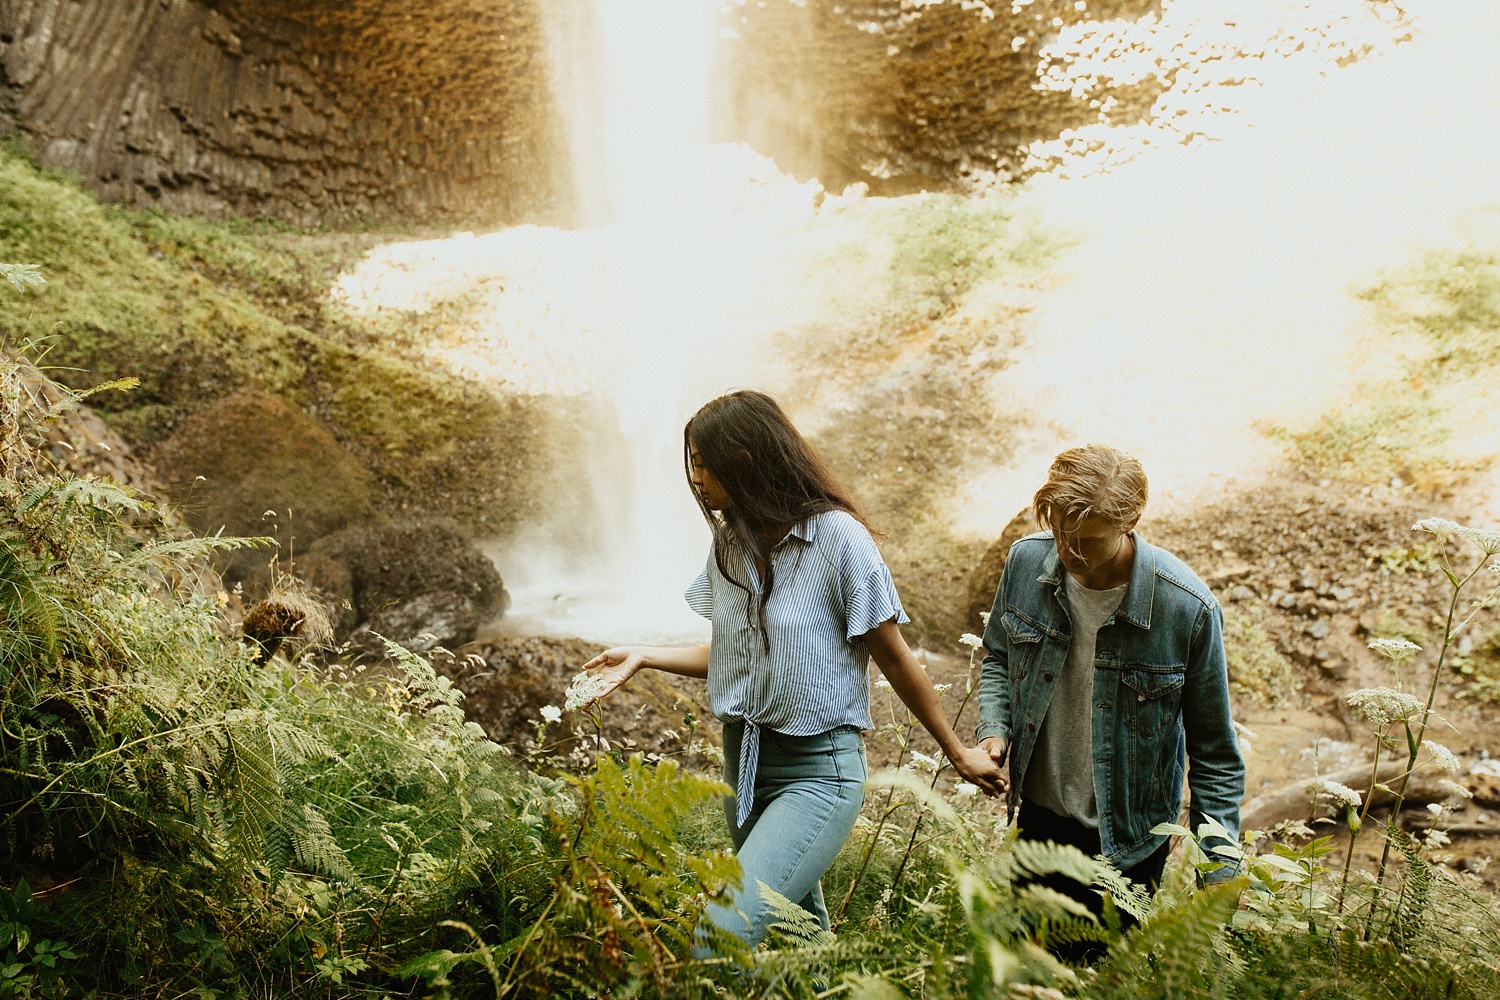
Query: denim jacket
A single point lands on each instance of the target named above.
(1161, 693)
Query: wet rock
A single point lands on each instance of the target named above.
(985, 579)
(251, 453)
(509, 680)
(409, 579)
(310, 110)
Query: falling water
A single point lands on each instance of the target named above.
(673, 287)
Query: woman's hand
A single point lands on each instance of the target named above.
(977, 767)
(614, 667)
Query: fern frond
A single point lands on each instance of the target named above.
(192, 549)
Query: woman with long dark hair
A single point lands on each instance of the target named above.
(800, 600)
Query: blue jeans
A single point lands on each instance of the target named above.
(808, 790)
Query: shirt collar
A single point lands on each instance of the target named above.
(1140, 591)
(804, 531)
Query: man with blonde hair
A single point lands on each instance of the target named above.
(1104, 677)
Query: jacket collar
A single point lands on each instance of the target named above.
(1140, 591)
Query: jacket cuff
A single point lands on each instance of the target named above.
(987, 729)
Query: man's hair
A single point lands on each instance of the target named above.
(1093, 481)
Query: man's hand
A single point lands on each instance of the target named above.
(976, 766)
(996, 748)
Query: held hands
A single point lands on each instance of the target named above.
(612, 668)
(978, 767)
(997, 748)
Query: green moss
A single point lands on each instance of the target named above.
(199, 308)
(1441, 315)
(1257, 672)
(114, 308)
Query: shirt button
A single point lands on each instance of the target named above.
(1031, 725)
(1047, 678)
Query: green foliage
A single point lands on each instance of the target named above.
(1440, 316)
(1256, 670)
(199, 308)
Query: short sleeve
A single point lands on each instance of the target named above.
(700, 596)
(869, 592)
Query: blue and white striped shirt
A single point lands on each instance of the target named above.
(830, 587)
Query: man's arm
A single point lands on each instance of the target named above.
(994, 682)
(1216, 771)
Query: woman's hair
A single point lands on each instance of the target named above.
(1093, 481)
(772, 476)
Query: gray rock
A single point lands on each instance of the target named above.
(1319, 629)
(1242, 593)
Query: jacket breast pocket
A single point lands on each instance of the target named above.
(1025, 639)
(1152, 697)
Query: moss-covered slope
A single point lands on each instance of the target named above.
(199, 309)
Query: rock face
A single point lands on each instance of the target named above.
(314, 111)
(410, 579)
(902, 95)
(257, 453)
(986, 576)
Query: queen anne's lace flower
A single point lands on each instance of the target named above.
(1454, 789)
(921, 762)
(1396, 649)
(1383, 705)
(1487, 540)
(1442, 756)
(551, 713)
(583, 690)
(965, 790)
(971, 640)
(882, 684)
(1341, 796)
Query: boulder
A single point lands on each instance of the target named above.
(420, 582)
(985, 579)
(251, 452)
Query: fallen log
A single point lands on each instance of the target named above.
(1294, 802)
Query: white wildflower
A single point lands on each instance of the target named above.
(1396, 649)
(965, 790)
(923, 763)
(1454, 789)
(971, 640)
(1340, 796)
(1442, 756)
(1435, 809)
(984, 618)
(551, 713)
(940, 688)
(1487, 540)
(583, 690)
(1383, 705)
(882, 684)
(1436, 838)
(1244, 737)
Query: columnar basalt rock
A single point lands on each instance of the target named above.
(904, 95)
(314, 111)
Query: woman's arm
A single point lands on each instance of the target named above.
(914, 688)
(615, 666)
